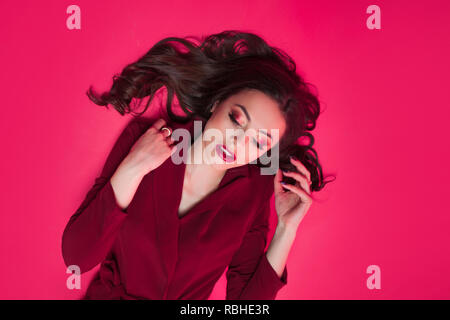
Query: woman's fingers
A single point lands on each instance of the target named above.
(277, 181)
(158, 124)
(305, 184)
(160, 127)
(300, 192)
(168, 136)
(166, 131)
(301, 167)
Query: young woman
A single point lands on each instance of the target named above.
(166, 230)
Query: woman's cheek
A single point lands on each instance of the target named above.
(253, 154)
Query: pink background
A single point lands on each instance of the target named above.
(384, 133)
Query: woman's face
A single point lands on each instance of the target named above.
(247, 125)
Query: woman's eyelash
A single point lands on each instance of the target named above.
(233, 119)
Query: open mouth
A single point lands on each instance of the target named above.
(223, 152)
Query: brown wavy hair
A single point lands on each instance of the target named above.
(212, 68)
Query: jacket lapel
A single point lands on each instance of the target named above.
(166, 191)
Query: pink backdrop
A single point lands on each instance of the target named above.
(384, 133)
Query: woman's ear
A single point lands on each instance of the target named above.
(214, 106)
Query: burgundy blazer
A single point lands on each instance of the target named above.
(148, 252)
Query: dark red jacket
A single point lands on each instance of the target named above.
(148, 252)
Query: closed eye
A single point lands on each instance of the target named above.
(233, 119)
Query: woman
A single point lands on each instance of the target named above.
(166, 230)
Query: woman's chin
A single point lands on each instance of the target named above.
(220, 164)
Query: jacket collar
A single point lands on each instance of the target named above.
(166, 183)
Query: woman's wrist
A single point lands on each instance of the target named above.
(279, 247)
(286, 229)
(125, 182)
(133, 168)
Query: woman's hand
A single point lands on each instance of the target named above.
(152, 148)
(292, 204)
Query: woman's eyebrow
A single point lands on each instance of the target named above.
(244, 109)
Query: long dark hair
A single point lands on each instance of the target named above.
(214, 68)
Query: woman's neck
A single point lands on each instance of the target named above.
(201, 177)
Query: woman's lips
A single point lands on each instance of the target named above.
(223, 152)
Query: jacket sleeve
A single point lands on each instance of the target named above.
(250, 276)
(92, 229)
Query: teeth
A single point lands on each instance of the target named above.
(226, 151)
